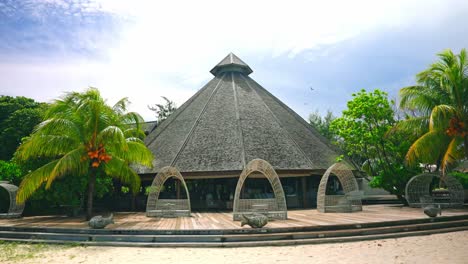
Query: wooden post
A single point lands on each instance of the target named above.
(133, 205)
(178, 189)
(304, 192)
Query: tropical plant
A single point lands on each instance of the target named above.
(440, 103)
(85, 138)
(363, 132)
(163, 111)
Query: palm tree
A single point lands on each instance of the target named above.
(85, 137)
(440, 101)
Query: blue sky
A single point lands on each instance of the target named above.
(147, 49)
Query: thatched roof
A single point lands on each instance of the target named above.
(149, 126)
(231, 121)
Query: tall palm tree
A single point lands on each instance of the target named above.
(440, 101)
(85, 137)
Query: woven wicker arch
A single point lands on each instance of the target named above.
(156, 207)
(14, 210)
(350, 201)
(418, 191)
(274, 208)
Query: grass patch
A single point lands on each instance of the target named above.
(14, 251)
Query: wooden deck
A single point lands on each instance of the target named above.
(223, 220)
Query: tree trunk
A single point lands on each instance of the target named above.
(91, 186)
(370, 163)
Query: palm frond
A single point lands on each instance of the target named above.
(418, 97)
(135, 139)
(428, 148)
(134, 133)
(45, 146)
(447, 57)
(32, 181)
(453, 153)
(138, 153)
(132, 118)
(414, 125)
(440, 117)
(121, 106)
(64, 107)
(60, 126)
(119, 169)
(70, 162)
(112, 135)
(114, 140)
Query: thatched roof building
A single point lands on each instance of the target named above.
(231, 121)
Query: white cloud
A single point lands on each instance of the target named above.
(168, 32)
(188, 37)
(184, 39)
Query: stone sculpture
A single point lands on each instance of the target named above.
(432, 211)
(99, 222)
(254, 220)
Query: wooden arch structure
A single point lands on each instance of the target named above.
(418, 191)
(156, 207)
(273, 208)
(350, 201)
(14, 210)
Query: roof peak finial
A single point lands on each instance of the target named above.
(231, 63)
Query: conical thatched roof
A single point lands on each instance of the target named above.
(231, 121)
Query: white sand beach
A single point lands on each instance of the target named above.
(439, 248)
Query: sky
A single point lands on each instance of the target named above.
(312, 55)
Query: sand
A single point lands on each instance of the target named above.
(439, 248)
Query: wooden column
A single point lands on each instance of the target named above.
(178, 189)
(304, 192)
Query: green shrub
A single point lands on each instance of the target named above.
(462, 177)
(10, 171)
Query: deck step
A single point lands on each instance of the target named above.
(287, 242)
(202, 232)
(254, 237)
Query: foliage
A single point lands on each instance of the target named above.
(394, 182)
(363, 127)
(363, 132)
(462, 177)
(322, 124)
(65, 193)
(84, 137)
(18, 117)
(125, 189)
(9, 171)
(163, 111)
(439, 101)
(68, 193)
